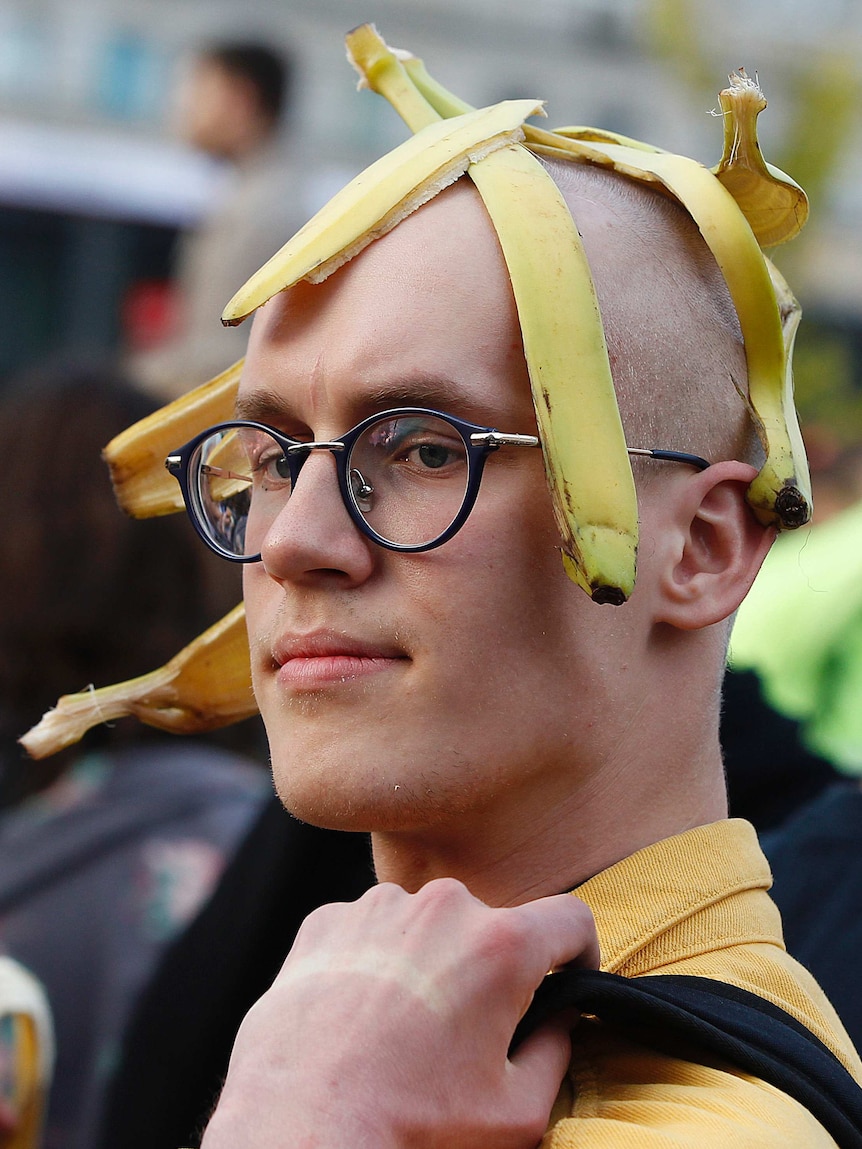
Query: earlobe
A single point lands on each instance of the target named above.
(717, 549)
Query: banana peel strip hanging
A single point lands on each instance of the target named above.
(592, 491)
(741, 206)
(206, 686)
(136, 457)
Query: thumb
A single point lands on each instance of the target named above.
(540, 1062)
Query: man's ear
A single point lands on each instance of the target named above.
(712, 548)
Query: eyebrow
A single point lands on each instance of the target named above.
(265, 405)
(422, 391)
(261, 406)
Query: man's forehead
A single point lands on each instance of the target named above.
(424, 316)
(444, 253)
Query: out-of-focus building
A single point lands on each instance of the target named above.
(94, 188)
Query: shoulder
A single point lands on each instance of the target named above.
(620, 1093)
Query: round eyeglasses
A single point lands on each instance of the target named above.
(408, 477)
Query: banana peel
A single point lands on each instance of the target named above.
(206, 686)
(136, 457)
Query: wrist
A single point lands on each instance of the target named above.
(330, 1126)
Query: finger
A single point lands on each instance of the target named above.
(541, 1061)
(563, 932)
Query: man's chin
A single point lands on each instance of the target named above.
(374, 808)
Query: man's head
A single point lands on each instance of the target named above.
(233, 98)
(475, 685)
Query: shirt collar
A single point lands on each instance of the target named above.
(684, 886)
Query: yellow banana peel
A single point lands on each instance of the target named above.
(136, 457)
(783, 439)
(205, 686)
(586, 462)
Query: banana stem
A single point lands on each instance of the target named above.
(441, 99)
(383, 72)
(556, 142)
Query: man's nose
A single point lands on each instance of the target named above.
(313, 534)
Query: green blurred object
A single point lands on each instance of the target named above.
(800, 629)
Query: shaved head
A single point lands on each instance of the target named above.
(673, 336)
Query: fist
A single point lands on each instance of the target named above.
(390, 1023)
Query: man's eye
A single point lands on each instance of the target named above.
(419, 444)
(434, 455)
(271, 466)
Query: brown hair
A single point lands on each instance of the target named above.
(89, 596)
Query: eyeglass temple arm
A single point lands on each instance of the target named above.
(670, 457)
(494, 439)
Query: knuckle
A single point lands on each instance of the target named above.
(446, 891)
(501, 942)
(446, 900)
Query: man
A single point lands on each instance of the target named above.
(503, 738)
(428, 672)
(232, 105)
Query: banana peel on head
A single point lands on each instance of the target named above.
(586, 464)
(741, 205)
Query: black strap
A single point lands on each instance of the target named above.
(730, 1023)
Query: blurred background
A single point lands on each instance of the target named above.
(96, 186)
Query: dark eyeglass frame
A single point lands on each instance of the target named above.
(478, 441)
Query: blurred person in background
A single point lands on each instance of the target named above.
(816, 861)
(233, 103)
(178, 1042)
(770, 772)
(800, 633)
(108, 849)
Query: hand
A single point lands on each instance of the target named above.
(390, 1021)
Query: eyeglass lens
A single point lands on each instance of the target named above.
(407, 478)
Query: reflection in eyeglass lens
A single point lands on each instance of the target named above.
(417, 469)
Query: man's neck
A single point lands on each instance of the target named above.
(545, 847)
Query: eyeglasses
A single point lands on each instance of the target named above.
(408, 477)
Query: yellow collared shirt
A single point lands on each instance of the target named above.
(695, 904)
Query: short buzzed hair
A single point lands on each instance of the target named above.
(673, 335)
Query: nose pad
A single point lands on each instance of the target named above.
(362, 490)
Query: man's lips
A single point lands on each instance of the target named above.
(318, 659)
